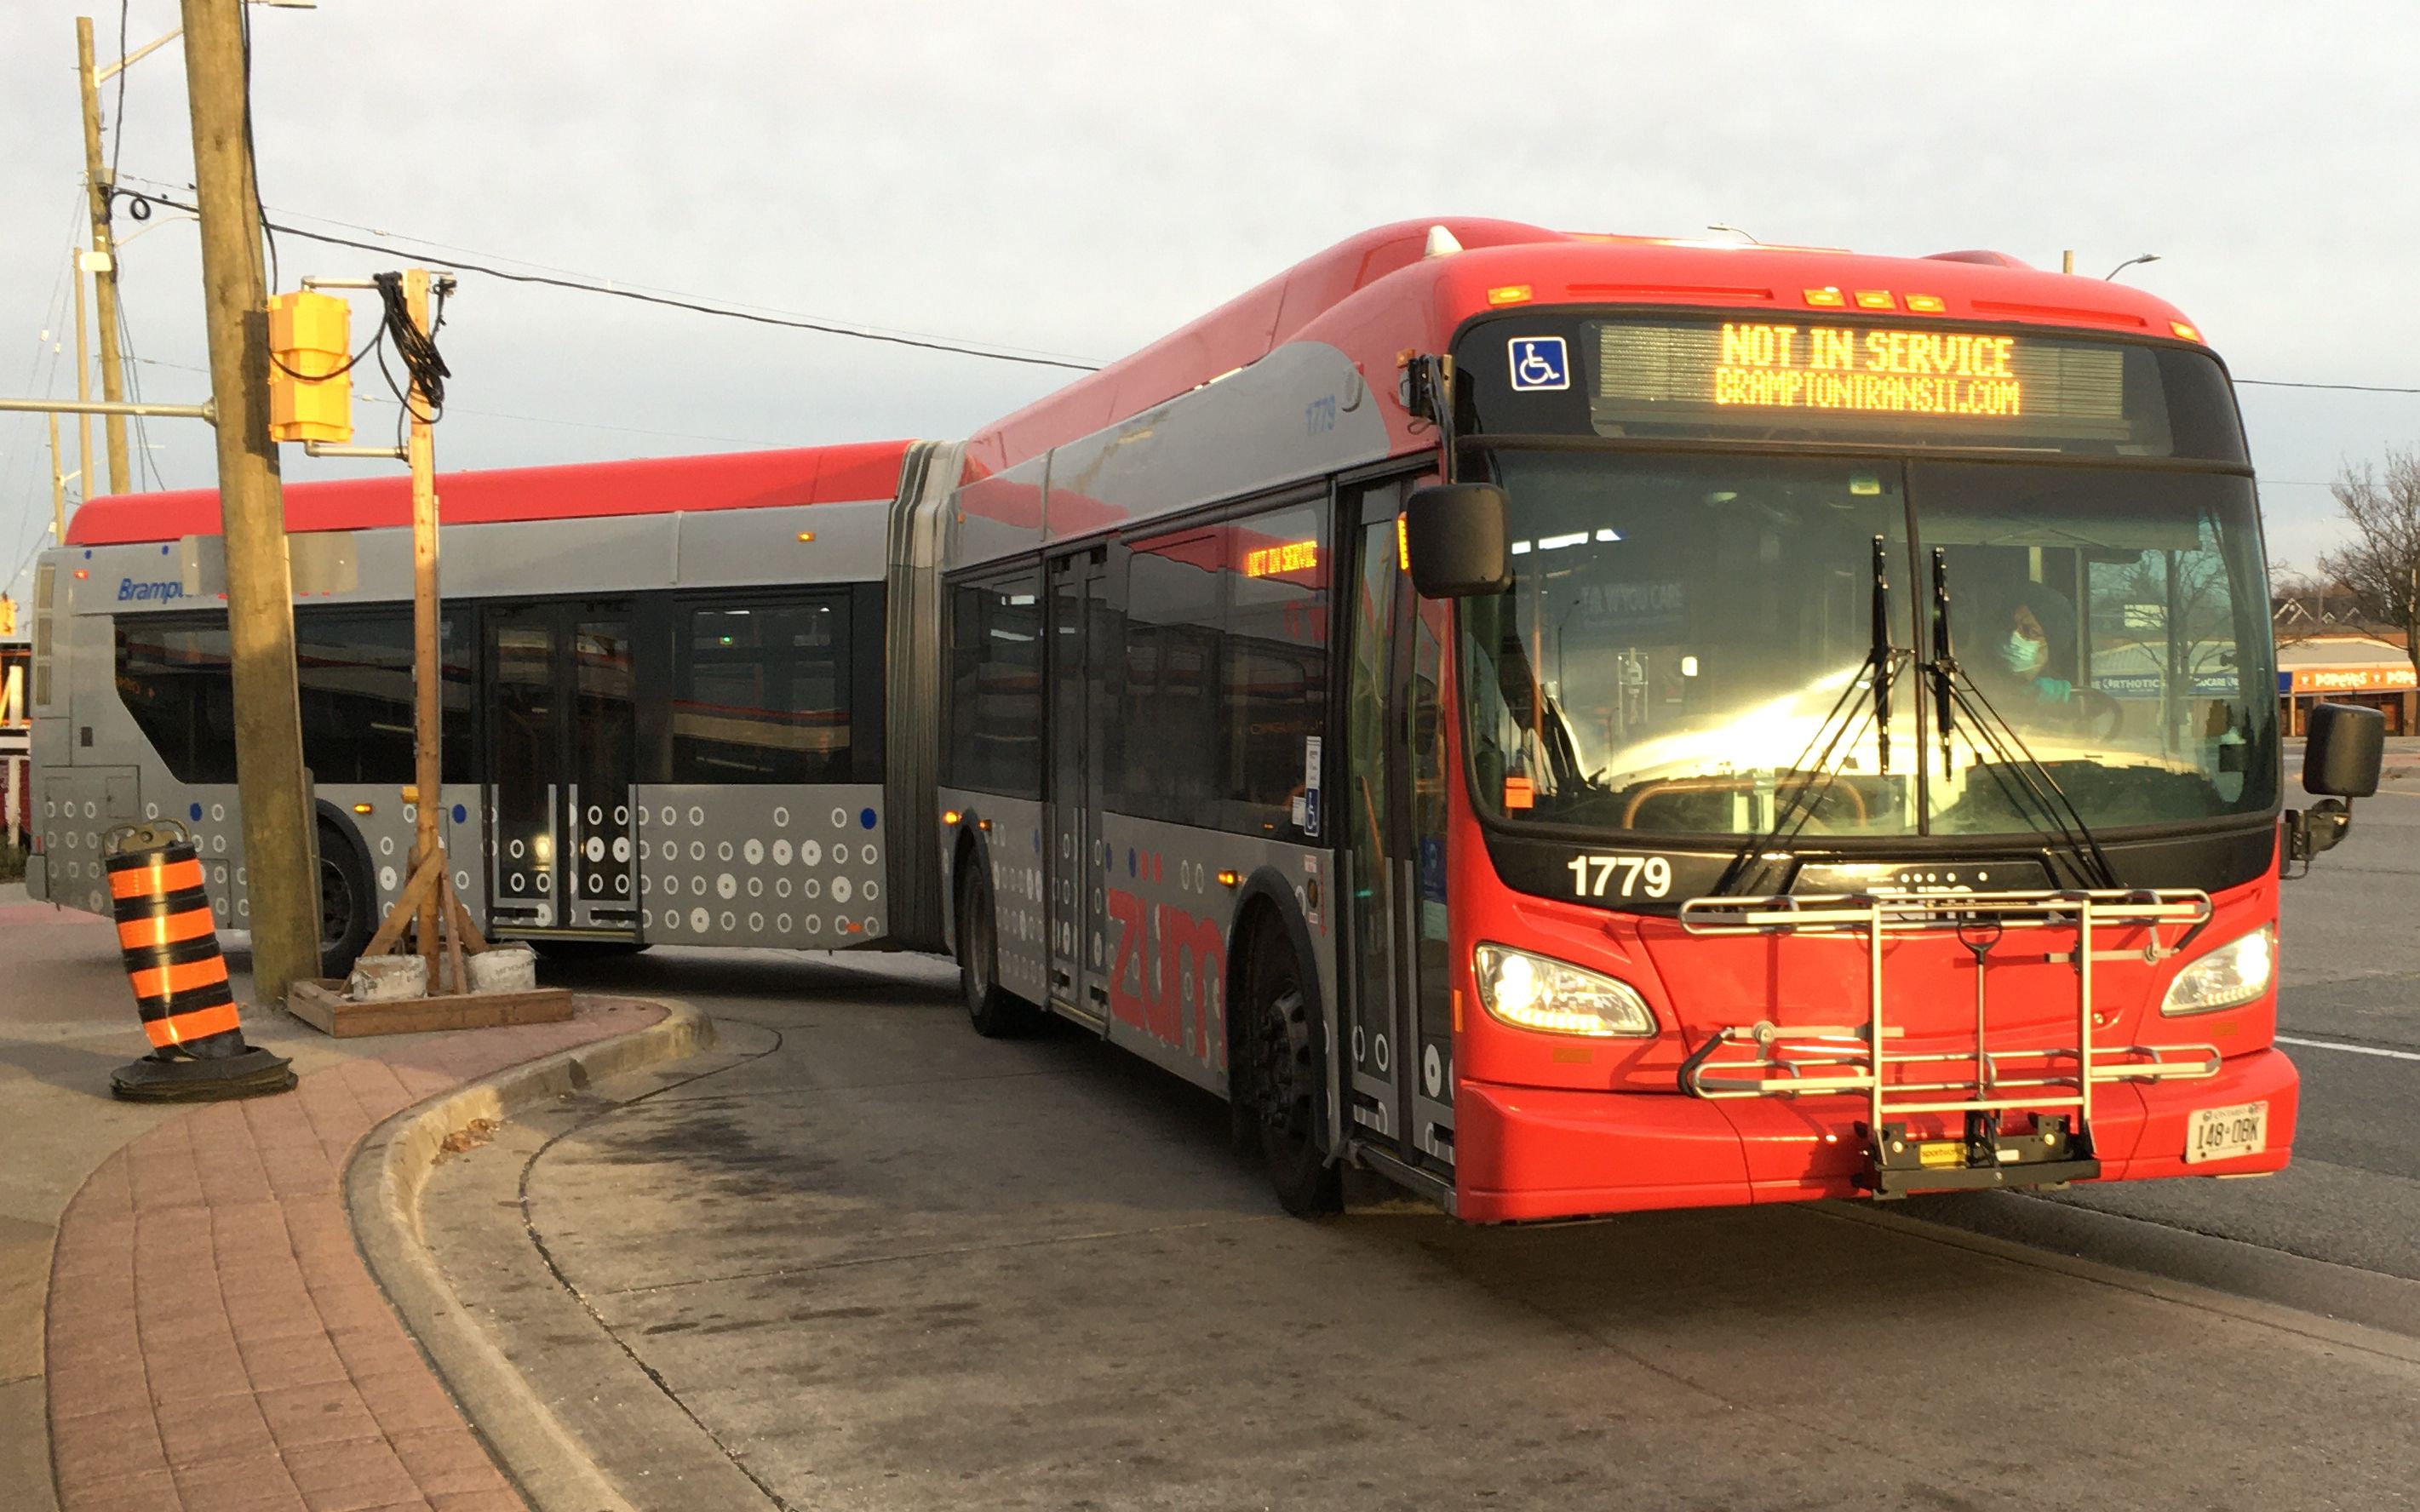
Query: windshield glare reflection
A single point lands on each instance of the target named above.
(1689, 645)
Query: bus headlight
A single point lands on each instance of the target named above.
(1536, 992)
(2229, 977)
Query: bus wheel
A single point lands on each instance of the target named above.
(995, 1013)
(1288, 1067)
(347, 905)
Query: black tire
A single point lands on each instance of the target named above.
(1286, 1075)
(569, 950)
(347, 903)
(995, 1012)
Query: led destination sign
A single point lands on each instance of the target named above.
(1902, 372)
(1818, 375)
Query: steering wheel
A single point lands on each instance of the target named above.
(2098, 706)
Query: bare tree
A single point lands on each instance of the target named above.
(2380, 567)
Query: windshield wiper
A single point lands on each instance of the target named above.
(1817, 773)
(1953, 689)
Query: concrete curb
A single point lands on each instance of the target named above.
(382, 1188)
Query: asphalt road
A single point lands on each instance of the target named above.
(864, 1259)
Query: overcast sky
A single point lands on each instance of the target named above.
(1081, 178)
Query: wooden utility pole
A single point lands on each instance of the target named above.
(429, 687)
(97, 186)
(83, 393)
(429, 907)
(278, 825)
(58, 488)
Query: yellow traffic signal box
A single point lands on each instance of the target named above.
(310, 391)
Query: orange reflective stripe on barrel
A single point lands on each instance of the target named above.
(169, 981)
(169, 929)
(159, 878)
(198, 1025)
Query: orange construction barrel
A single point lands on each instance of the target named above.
(171, 953)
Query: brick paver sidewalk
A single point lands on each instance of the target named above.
(214, 1340)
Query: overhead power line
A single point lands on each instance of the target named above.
(2347, 388)
(565, 279)
(670, 302)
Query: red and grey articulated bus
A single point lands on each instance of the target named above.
(1571, 723)
(1584, 723)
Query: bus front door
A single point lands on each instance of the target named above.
(561, 759)
(1397, 1069)
(1082, 646)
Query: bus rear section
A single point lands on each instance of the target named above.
(664, 693)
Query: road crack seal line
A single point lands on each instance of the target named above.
(546, 1255)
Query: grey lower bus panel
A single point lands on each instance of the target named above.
(791, 867)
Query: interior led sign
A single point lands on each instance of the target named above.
(1269, 561)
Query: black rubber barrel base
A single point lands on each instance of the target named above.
(254, 1073)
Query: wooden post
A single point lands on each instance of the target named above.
(58, 488)
(84, 389)
(278, 825)
(97, 185)
(428, 667)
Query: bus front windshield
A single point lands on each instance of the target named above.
(1686, 648)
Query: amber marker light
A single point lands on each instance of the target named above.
(2181, 328)
(1509, 294)
(365, 808)
(806, 536)
(1875, 298)
(951, 816)
(1402, 542)
(1229, 879)
(1926, 304)
(1827, 298)
(82, 574)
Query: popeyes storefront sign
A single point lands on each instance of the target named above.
(2354, 680)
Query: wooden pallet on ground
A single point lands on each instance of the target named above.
(323, 1006)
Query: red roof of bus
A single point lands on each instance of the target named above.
(650, 486)
(1323, 298)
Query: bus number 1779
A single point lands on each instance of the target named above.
(1648, 876)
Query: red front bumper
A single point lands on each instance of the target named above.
(1526, 1153)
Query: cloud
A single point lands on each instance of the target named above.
(1082, 178)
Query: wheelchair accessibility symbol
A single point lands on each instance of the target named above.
(1540, 363)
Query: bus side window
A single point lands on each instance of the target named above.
(994, 717)
(173, 677)
(1274, 673)
(761, 693)
(1174, 655)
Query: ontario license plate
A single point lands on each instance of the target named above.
(2223, 1133)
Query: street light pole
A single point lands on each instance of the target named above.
(98, 186)
(278, 822)
(2146, 257)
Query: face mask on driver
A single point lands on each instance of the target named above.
(2023, 654)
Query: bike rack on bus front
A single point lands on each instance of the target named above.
(1853, 1059)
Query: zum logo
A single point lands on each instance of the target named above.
(1189, 951)
(130, 591)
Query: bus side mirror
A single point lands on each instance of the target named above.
(2347, 745)
(1454, 534)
